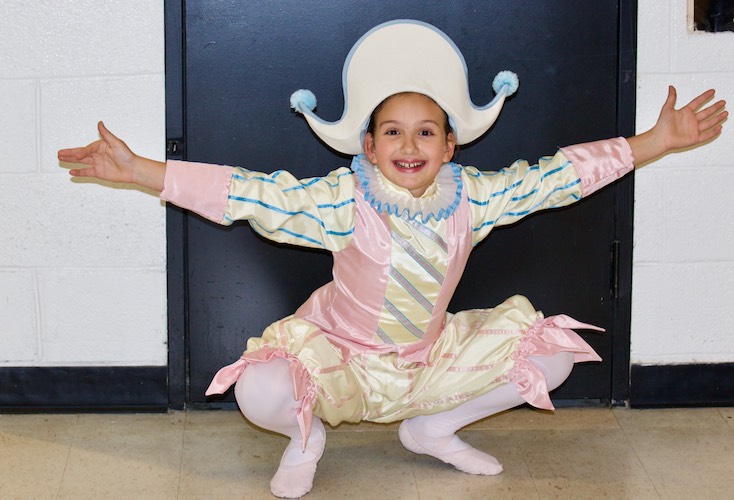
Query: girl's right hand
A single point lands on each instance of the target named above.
(110, 159)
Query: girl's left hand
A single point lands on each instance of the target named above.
(687, 127)
(690, 125)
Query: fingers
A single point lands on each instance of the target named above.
(79, 155)
(697, 102)
(82, 172)
(713, 117)
(84, 154)
(713, 111)
(672, 97)
(709, 134)
(108, 136)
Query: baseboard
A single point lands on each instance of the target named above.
(79, 389)
(682, 385)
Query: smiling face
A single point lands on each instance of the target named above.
(409, 141)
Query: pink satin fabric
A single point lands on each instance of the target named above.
(348, 308)
(600, 163)
(545, 338)
(199, 187)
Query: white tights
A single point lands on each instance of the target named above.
(264, 393)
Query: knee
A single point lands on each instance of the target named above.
(264, 388)
(555, 368)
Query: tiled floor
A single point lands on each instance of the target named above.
(572, 453)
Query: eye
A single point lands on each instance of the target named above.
(426, 132)
(391, 131)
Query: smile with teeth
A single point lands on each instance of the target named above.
(409, 164)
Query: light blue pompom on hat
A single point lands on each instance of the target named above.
(404, 56)
(303, 100)
(504, 78)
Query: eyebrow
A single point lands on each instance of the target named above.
(422, 122)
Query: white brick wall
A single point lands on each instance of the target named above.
(683, 276)
(82, 266)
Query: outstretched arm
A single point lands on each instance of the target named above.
(110, 159)
(687, 127)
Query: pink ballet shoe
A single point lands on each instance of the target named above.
(453, 451)
(295, 480)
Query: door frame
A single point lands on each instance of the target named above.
(176, 218)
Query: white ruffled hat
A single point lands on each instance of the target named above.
(404, 56)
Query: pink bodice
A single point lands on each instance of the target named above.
(348, 308)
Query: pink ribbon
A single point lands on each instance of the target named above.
(302, 385)
(545, 338)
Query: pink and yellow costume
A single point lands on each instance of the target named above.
(377, 342)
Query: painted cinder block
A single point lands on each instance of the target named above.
(18, 313)
(57, 222)
(92, 317)
(18, 125)
(52, 38)
(682, 313)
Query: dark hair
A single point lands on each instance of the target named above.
(371, 124)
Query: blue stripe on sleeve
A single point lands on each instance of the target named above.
(277, 209)
(261, 230)
(534, 207)
(337, 205)
(271, 180)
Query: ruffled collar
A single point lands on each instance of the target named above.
(438, 202)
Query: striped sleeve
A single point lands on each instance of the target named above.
(316, 212)
(508, 195)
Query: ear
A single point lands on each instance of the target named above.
(369, 147)
(450, 147)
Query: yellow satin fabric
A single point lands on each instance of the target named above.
(473, 355)
(412, 271)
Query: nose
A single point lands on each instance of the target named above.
(408, 144)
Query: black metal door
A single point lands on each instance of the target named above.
(242, 60)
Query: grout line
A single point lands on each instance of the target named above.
(68, 454)
(183, 447)
(39, 315)
(39, 139)
(523, 453)
(637, 456)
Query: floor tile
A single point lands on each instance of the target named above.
(60, 425)
(561, 418)
(569, 453)
(225, 463)
(215, 420)
(687, 463)
(33, 453)
(589, 463)
(728, 416)
(30, 468)
(124, 456)
(704, 418)
(365, 465)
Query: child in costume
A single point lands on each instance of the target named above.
(377, 342)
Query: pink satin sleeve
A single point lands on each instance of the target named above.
(600, 163)
(199, 187)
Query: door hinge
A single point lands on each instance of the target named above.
(174, 148)
(614, 269)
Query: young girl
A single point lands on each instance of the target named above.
(377, 343)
